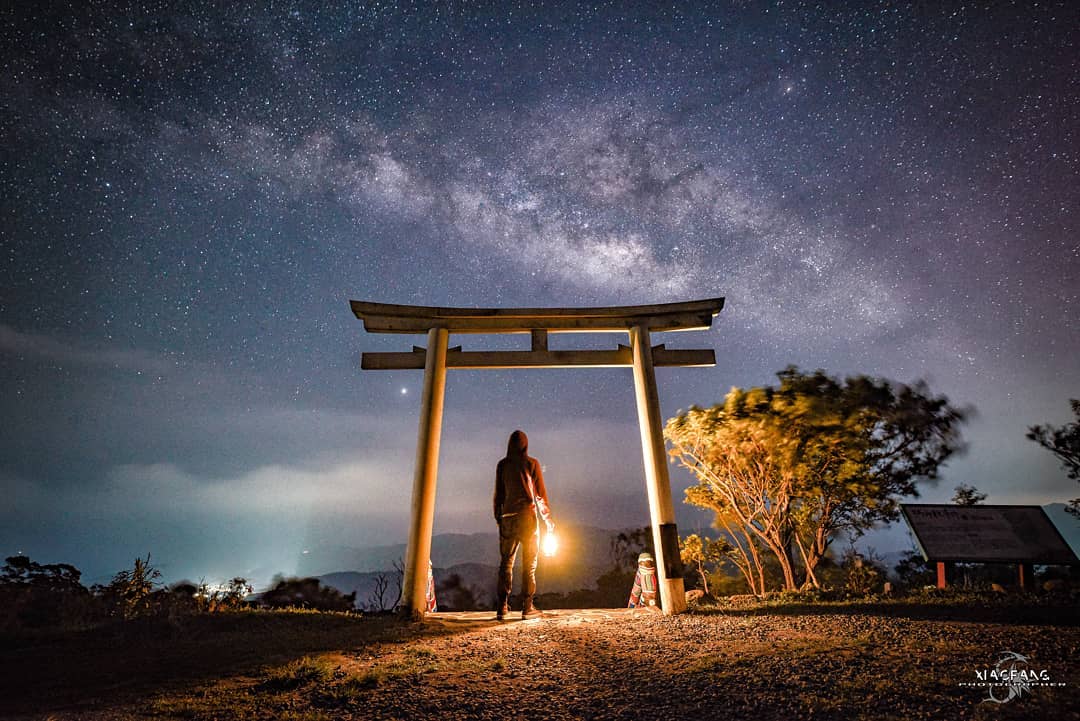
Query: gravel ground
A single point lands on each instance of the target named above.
(616, 665)
(761, 663)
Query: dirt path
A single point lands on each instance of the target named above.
(616, 665)
(760, 665)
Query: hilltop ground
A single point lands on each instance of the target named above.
(854, 661)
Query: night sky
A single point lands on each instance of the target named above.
(191, 197)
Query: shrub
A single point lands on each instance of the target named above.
(307, 593)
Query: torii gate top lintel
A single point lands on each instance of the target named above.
(638, 321)
(390, 318)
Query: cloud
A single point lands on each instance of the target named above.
(46, 347)
(354, 482)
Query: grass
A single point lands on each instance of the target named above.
(301, 672)
(949, 604)
(99, 662)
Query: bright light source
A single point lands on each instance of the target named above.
(404, 391)
(551, 544)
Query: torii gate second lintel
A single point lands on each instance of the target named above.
(637, 321)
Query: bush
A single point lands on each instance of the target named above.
(307, 593)
(913, 571)
(863, 574)
(131, 592)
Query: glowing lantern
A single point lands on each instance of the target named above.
(550, 544)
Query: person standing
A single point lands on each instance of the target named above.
(520, 495)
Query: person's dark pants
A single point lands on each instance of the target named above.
(520, 529)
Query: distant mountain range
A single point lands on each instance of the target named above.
(584, 554)
(586, 546)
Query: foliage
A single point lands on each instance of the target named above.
(914, 571)
(21, 571)
(704, 555)
(34, 595)
(864, 574)
(625, 546)
(791, 468)
(307, 593)
(968, 495)
(1063, 442)
(207, 599)
(455, 595)
(232, 596)
(128, 595)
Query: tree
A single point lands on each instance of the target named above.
(703, 554)
(20, 571)
(739, 477)
(968, 495)
(625, 546)
(130, 590)
(377, 599)
(913, 570)
(307, 593)
(1063, 442)
(862, 572)
(233, 595)
(745, 550)
(795, 466)
(455, 595)
(35, 595)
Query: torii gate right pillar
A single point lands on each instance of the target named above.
(665, 533)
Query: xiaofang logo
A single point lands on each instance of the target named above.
(1011, 677)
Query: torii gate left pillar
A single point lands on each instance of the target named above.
(637, 321)
(422, 517)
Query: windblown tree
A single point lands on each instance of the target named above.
(745, 549)
(793, 467)
(740, 465)
(1063, 442)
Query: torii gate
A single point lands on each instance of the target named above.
(637, 320)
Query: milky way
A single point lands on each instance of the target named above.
(190, 198)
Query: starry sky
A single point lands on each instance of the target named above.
(192, 193)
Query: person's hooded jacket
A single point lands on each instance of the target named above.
(518, 479)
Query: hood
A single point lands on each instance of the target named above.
(518, 445)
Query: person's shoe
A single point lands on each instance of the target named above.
(528, 610)
(502, 612)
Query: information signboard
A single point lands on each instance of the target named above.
(987, 534)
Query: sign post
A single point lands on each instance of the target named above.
(1019, 535)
